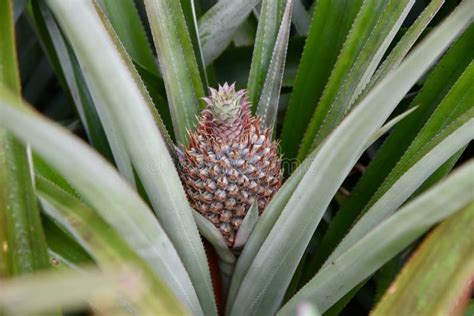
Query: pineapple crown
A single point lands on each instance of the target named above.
(226, 104)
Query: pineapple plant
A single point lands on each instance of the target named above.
(251, 157)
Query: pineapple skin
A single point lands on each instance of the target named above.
(230, 162)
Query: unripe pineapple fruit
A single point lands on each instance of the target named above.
(230, 162)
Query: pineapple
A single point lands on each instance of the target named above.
(230, 163)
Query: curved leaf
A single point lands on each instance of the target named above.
(270, 272)
(23, 246)
(105, 245)
(48, 291)
(177, 64)
(374, 28)
(268, 24)
(214, 236)
(129, 107)
(246, 227)
(100, 186)
(405, 44)
(385, 241)
(437, 85)
(69, 74)
(124, 17)
(331, 23)
(219, 24)
(421, 159)
(270, 94)
(424, 288)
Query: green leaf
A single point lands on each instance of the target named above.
(156, 87)
(104, 189)
(387, 126)
(105, 244)
(271, 214)
(45, 171)
(233, 64)
(405, 44)
(46, 291)
(269, 22)
(69, 74)
(440, 138)
(219, 24)
(329, 28)
(263, 227)
(214, 236)
(18, 8)
(385, 241)
(119, 150)
(395, 193)
(270, 272)
(307, 309)
(62, 248)
(438, 84)
(189, 11)
(424, 288)
(177, 64)
(301, 18)
(22, 244)
(124, 17)
(246, 227)
(127, 105)
(374, 28)
(270, 94)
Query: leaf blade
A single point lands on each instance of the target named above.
(438, 84)
(267, 32)
(129, 106)
(270, 94)
(329, 27)
(100, 185)
(23, 245)
(218, 25)
(370, 36)
(451, 249)
(177, 63)
(279, 256)
(386, 240)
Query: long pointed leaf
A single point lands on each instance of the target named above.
(22, 242)
(270, 94)
(177, 63)
(67, 70)
(104, 244)
(219, 24)
(71, 291)
(267, 31)
(129, 107)
(270, 216)
(389, 238)
(104, 189)
(331, 23)
(424, 288)
(279, 256)
(374, 28)
(124, 17)
(189, 9)
(438, 84)
(405, 44)
(412, 170)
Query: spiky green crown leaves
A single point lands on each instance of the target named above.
(226, 104)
